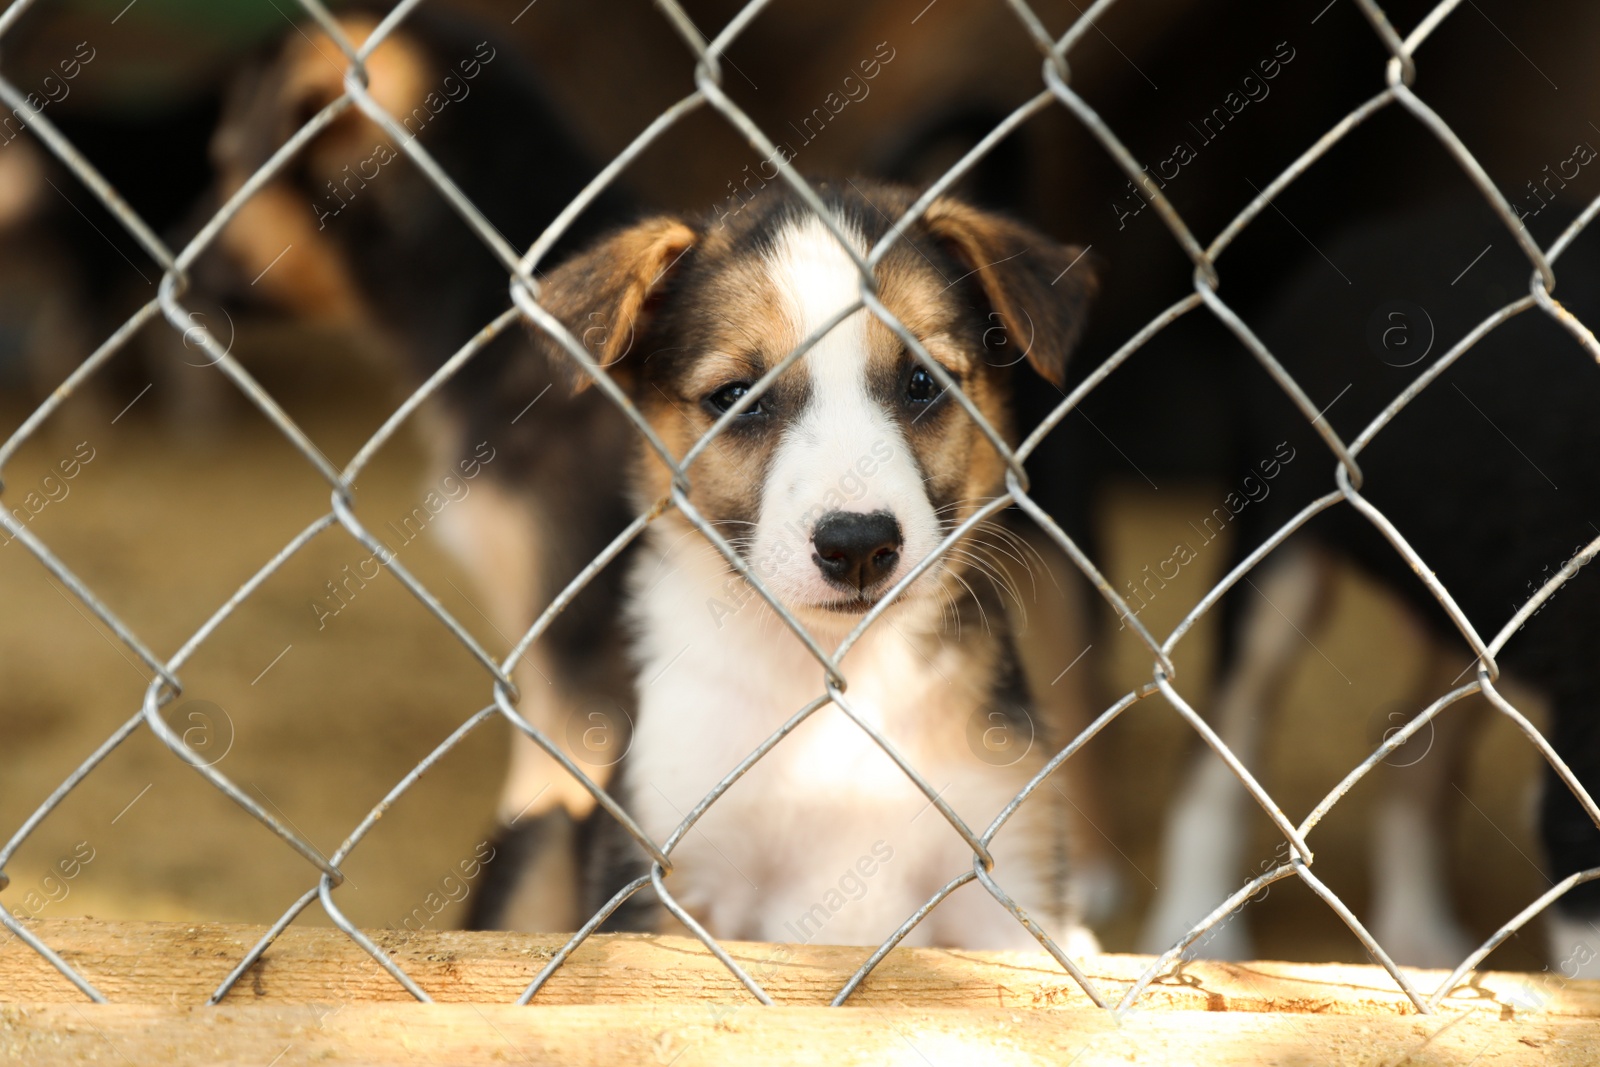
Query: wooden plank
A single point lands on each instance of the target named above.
(180, 963)
(684, 1036)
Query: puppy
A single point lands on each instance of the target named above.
(832, 486)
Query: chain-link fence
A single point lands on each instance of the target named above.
(521, 267)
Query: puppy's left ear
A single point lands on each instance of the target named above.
(1039, 289)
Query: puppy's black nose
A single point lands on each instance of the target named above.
(856, 550)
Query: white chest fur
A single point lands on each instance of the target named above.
(824, 839)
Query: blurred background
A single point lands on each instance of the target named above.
(317, 704)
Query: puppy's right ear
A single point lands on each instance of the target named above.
(605, 296)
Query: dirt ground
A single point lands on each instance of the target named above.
(318, 717)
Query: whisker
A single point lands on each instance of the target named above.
(984, 615)
(994, 551)
(1001, 581)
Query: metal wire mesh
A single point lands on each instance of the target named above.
(520, 267)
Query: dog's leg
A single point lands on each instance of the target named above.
(612, 860)
(533, 883)
(195, 397)
(1050, 632)
(1412, 914)
(59, 340)
(496, 535)
(1203, 849)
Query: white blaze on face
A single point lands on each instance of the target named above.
(844, 451)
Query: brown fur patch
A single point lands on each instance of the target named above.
(602, 294)
(1028, 280)
(308, 75)
(399, 75)
(315, 280)
(962, 469)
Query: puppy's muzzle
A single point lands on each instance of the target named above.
(856, 551)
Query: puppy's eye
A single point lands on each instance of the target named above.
(921, 388)
(729, 395)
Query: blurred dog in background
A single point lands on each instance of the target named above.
(1487, 475)
(373, 245)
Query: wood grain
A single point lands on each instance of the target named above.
(684, 1036)
(317, 997)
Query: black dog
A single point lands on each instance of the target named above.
(1488, 474)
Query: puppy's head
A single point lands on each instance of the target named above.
(267, 104)
(852, 466)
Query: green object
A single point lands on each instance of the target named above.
(233, 21)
